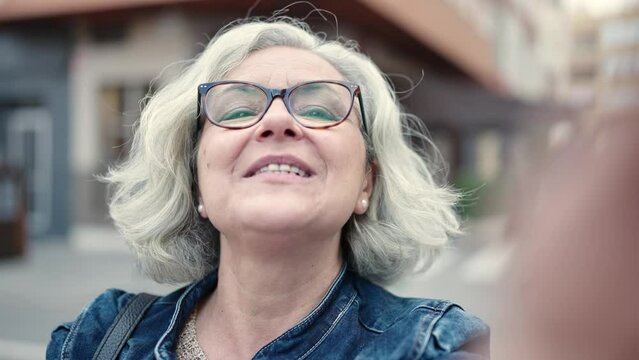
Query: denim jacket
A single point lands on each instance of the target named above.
(355, 320)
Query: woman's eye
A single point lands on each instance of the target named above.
(238, 114)
(317, 113)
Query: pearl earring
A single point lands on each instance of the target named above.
(200, 209)
(364, 203)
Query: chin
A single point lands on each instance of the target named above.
(281, 219)
(296, 214)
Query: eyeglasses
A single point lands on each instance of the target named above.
(314, 104)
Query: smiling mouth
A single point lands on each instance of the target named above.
(275, 168)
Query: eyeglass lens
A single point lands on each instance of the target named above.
(313, 104)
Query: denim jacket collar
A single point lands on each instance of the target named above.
(185, 305)
(298, 342)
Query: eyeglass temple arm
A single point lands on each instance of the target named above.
(361, 110)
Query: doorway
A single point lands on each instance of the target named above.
(28, 146)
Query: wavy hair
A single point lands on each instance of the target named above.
(410, 217)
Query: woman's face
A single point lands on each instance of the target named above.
(236, 199)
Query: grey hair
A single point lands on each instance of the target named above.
(410, 217)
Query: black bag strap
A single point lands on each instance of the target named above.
(122, 327)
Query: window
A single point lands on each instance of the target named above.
(620, 33)
(119, 110)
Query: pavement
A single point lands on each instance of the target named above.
(58, 277)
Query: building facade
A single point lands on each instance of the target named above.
(618, 73)
(604, 60)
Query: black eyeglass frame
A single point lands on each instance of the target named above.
(271, 94)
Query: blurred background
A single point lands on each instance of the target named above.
(498, 83)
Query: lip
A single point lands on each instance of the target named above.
(278, 159)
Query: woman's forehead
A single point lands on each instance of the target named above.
(283, 66)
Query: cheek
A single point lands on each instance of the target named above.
(212, 162)
(348, 158)
(206, 161)
(203, 161)
(219, 148)
(352, 151)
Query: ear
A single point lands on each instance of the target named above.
(363, 201)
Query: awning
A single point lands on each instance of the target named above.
(30, 9)
(438, 25)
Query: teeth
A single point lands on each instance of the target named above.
(282, 168)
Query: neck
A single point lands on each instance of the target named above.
(266, 285)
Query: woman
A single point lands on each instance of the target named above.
(293, 189)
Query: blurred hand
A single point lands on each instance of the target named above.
(575, 284)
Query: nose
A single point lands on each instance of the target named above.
(278, 124)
